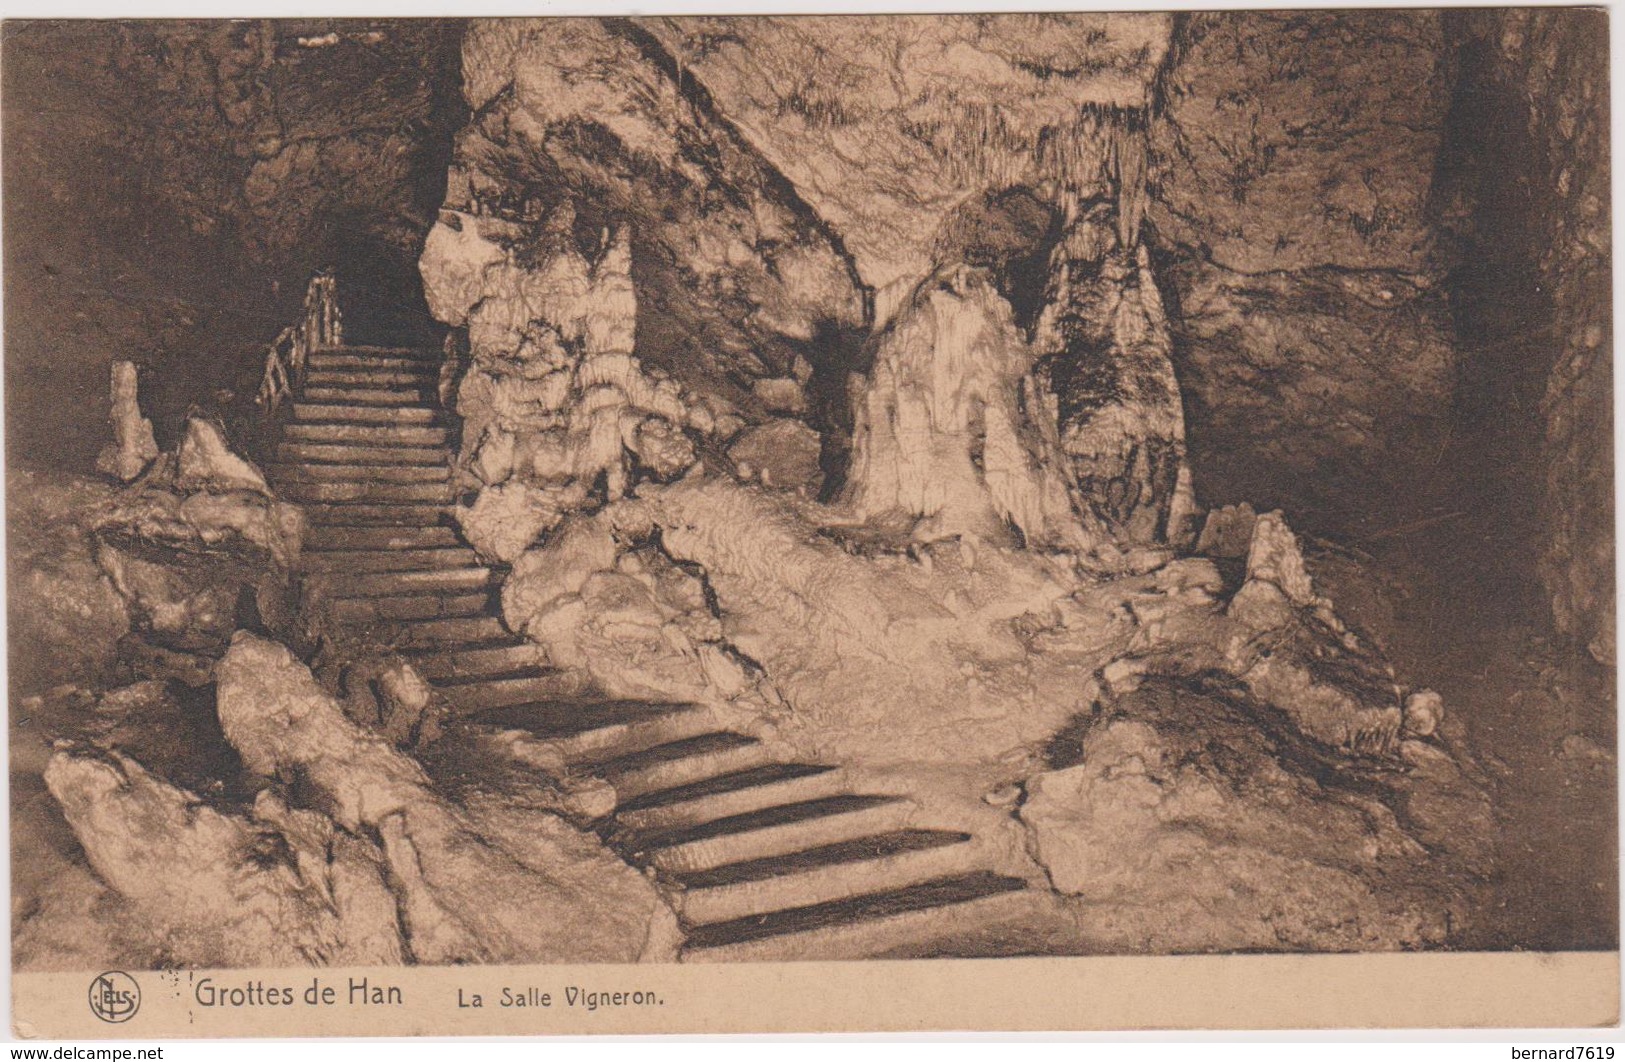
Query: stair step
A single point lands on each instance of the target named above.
(878, 864)
(464, 661)
(368, 434)
(439, 633)
(358, 473)
(408, 607)
(614, 762)
(340, 539)
(532, 684)
(732, 794)
(773, 831)
(333, 413)
(681, 763)
(393, 583)
(407, 375)
(388, 560)
(621, 738)
(349, 454)
(354, 514)
(366, 396)
(430, 355)
(561, 718)
(868, 925)
(369, 363)
(367, 492)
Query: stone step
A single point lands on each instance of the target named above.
(354, 514)
(357, 610)
(368, 434)
(294, 453)
(388, 560)
(678, 763)
(418, 377)
(772, 831)
(432, 355)
(366, 396)
(566, 717)
(499, 691)
(323, 538)
(368, 363)
(617, 738)
(334, 413)
(358, 473)
(930, 918)
(439, 633)
(367, 492)
(728, 795)
(876, 864)
(392, 583)
(479, 660)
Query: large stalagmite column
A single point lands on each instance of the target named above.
(945, 443)
(1106, 345)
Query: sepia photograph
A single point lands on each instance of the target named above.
(641, 493)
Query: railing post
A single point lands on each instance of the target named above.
(320, 326)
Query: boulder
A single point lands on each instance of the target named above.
(387, 695)
(1185, 826)
(475, 884)
(63, 613)
(507, 519)
(205, 462)
(281, 888)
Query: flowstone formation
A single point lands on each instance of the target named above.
(919, 505)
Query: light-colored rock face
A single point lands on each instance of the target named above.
(205, 461)
(483, 883)
(945, 442)
(554, 401)
(758, 208)
(133, 447)
(278, 889)
(1168, 844)
(735, 274)
(887, 125)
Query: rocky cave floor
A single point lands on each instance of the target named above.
(1524, 723)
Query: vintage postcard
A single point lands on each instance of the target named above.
(759, 524)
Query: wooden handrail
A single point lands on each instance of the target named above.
(320, 327)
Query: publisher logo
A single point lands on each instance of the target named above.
(115, 997)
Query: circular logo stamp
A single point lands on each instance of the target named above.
(114, 996)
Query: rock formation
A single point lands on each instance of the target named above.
(281, 889)
(133, 448)
(796, 546)
(1289, 178)
(486, 883)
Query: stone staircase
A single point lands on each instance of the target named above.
(762, 857)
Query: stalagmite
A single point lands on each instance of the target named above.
(1105, 341)
(945, 443)
(133, 447)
